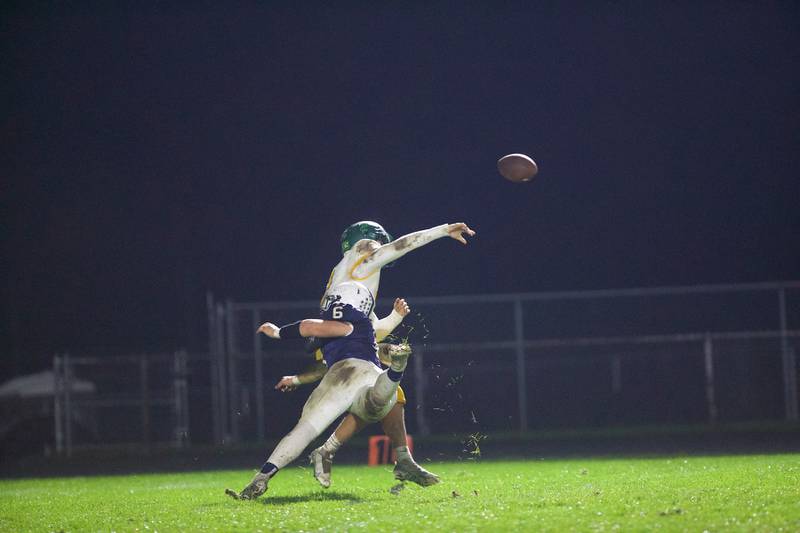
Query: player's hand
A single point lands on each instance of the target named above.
(287, 384)
(457, 230)
(269, 329)
(401, 307)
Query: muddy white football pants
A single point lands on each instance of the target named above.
(351, 384)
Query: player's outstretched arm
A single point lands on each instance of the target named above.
(385, 326)
(315, 373)
(396, 249)
(310, 327)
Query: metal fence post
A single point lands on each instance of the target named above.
(181, 399)
(522, 381)
(216, 421)
(58, 405)
(67, 372)
(222, 380)
(259, 377)
(616, 374)
(234, 396)
(789, 363)
(144, 399)
(185, 396)
(420, 383)
(708, 351)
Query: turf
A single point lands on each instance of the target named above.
(732, 493)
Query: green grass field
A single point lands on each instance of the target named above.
(732, 493)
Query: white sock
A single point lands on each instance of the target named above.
(403, 453)
(293, 444)
(383, 391)
(332, 444)
(399, 366)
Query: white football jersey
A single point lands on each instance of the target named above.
(343, 271)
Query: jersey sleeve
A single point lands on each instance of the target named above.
(397, 249)
(385, 326)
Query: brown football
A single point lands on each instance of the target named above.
(517, 167)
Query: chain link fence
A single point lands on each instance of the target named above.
(499, 363)
(137, 400)
(517, 362)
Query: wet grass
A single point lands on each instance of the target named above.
(720, 493)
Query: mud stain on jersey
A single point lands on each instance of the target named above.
(402, 244)
(366, 245)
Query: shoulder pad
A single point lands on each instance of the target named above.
(350, 293)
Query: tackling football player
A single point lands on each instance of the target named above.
(353, 382)
(406, 469)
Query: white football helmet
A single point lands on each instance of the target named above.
(350, 292)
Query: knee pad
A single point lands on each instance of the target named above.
(365, 407)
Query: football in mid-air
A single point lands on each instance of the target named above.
(517, 167)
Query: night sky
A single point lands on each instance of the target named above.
(151, 153)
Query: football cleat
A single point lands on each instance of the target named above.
(322, 461)
(398, 353)
(253, 490)
(408, 470)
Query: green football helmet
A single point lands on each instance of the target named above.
(366, 229)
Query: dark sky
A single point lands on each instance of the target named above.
(153, 153)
